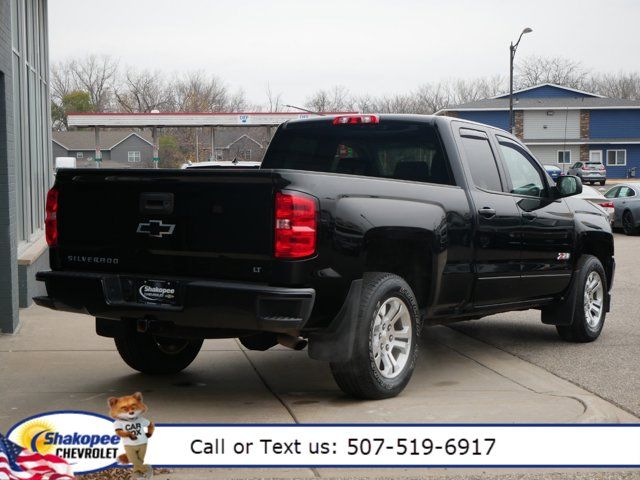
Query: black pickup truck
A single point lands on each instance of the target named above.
(355, 232)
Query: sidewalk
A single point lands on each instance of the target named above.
(57, 362)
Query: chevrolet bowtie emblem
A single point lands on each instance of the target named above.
(156, 228)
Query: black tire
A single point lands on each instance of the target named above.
(629, 226)
(154, 355)
(360, 377)
(582, 328)
(603, 182)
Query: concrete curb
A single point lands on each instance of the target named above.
(531, 377)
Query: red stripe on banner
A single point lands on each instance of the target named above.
(27, 456)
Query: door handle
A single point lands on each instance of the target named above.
(529, 215)
(487, 212)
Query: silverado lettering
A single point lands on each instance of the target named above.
(355, 233)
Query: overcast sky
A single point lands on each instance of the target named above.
(374, 46)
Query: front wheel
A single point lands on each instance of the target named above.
(386, 341)
(152, 354)
(590, 304)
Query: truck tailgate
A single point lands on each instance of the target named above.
(214, 223)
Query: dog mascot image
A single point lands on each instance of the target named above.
(134, 430)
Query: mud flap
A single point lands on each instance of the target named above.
(336, 343)
(561, 313)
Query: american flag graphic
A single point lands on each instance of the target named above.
(17, 463)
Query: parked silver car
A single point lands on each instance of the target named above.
(626, 202)
(589, 172)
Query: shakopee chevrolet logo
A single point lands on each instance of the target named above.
(156, 228)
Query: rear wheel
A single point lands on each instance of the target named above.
(602, 182)
(386, 341)
(152, 354)
(590, 308)
(629, 223)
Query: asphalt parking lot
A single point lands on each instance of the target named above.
(609, 367)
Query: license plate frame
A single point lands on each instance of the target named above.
(158, 292)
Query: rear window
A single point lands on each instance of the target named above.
(390, 149)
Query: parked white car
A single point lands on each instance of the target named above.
(597, 198)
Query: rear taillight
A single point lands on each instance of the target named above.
(606, 204)
(296, 225)
(355, 119)
(585, 168)
(602, 169)
(51, 218)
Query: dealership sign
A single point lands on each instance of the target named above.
(87, 441)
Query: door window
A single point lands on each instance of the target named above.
(482, 162)
(525, 177)
(626, 192)
(613, 193)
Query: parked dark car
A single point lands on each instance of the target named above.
(553, 171)
(589, 172)
(356, 231)
(626, 202)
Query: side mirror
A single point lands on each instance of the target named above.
(568, 185)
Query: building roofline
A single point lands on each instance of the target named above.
(129, 136)
(62, 145)
(241, 137)
(548, 107)
(549, 84)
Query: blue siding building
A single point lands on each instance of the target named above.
(562, 125)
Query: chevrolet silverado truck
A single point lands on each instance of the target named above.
(355, 232)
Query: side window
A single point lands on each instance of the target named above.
(626, 192)
(525, 177)
(482, 162)
(612, 193)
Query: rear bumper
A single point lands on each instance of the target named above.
(594, 178)
(203, 304)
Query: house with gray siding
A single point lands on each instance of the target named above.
(562, 125)
(120, 148)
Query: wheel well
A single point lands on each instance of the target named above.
(601, 249)
(405, 253)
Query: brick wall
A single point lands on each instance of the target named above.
(584, 124)
(8, 247)
(518, 123)
(584, 153)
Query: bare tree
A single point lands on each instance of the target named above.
(62, 81)
(335, 99)
(535, 70)
(620, 85)
(196, 92)
(143, 92)
(96, 75)
(274, 100)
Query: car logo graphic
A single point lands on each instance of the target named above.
(156, 228)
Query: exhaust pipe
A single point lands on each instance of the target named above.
(289, 341)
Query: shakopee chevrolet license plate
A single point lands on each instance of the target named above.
(158, 291)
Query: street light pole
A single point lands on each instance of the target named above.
(512, 54)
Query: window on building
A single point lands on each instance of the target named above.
(133, 157)
(616, 157)
(245, 154)
(481, 159)
(79, 155)
(564, 156)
